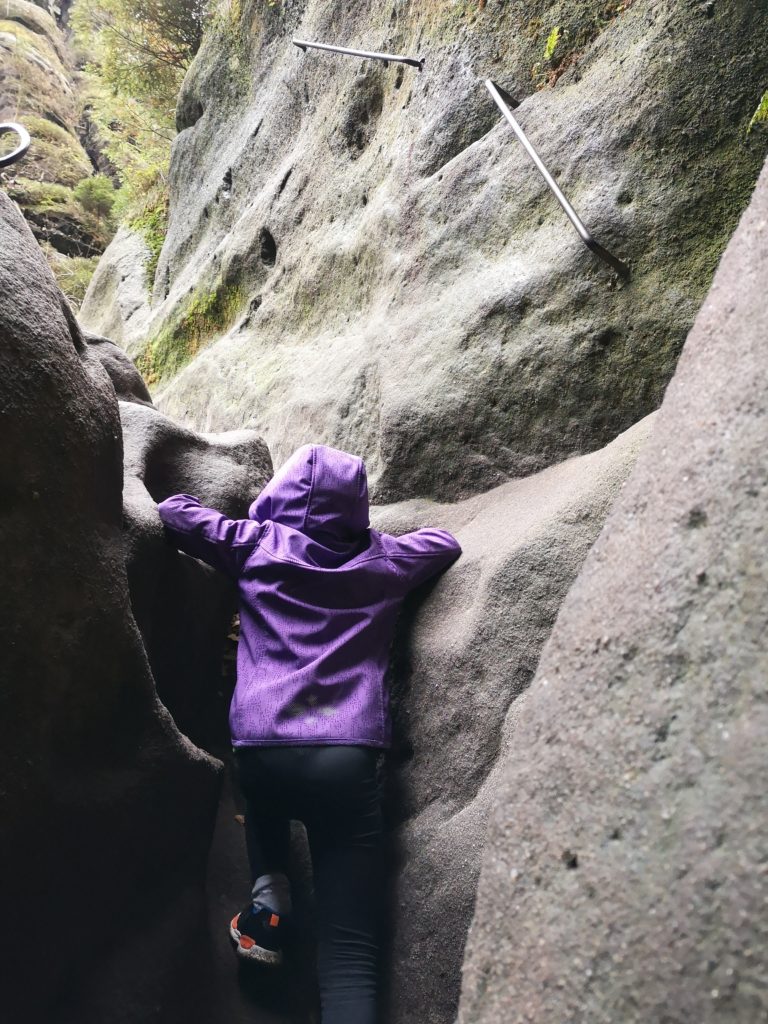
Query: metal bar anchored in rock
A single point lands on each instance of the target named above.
(504, 101)
(23, 146)
(395, 58)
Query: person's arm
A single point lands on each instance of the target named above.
(422, 554)
(206, 534)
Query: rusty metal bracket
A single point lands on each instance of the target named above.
(23, 146)
(395, 58)
(504, 102)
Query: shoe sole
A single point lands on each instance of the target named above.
(249, 950)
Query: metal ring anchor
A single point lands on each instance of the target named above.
(21, 149)
(395, 58)
(504, 101)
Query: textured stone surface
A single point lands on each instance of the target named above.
(183, 608)
(465, 652)
(117, 301)
(624, 877)
(105, 807)
(126, 379)
(387, 270)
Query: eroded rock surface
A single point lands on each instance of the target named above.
(107, 810)
(465, 653)
(126, 379)
(117, 301)
(386, 270)
(182, 606)
(625, 871)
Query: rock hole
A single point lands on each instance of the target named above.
(399, 77)
(625, 197)
(662, 733)
(253, 308)
(267, 248)
(364, 199)
(697, 517)
(570, 859)
(605, 338)
(226, 185)
(284, 182)
(614, 834)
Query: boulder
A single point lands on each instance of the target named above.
(467, 649)
(183, 607)
(624, 875)
(365, 256)
(106, 810)
(126, 379)
(116, 303)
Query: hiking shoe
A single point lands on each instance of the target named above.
(257, 934)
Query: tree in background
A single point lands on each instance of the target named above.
(96, 195)
(136, 53)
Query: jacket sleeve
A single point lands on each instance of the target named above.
(206, 534)
(422, 554)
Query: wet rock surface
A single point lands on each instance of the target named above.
(373, 262)
(625, 863)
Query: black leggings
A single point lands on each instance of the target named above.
(334, 792)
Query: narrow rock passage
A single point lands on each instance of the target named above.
(243, 993)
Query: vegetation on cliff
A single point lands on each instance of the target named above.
(136, 55)
(39, 88)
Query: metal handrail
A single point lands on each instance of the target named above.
(396, 58)
(504, 101)
(21, 149)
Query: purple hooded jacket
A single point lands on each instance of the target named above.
(319, 593)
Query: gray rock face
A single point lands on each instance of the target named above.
(383, 269)
(182, 607)
(465, 653)
(625, 871)
(103, 801)
(126, 379)
(116, 303)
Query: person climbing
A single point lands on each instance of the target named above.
(319, 593)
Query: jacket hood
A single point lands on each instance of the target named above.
(321, 492)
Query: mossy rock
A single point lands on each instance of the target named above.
(205, 315)
(36, 20)
(57, 218)
(34, 80)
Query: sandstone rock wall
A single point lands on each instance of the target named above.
(364, 255)
(467, 650)
(106, 809)
(625, 868)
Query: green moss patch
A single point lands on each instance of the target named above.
(55, 215)
(204, 316)
(151, 222)
(565, 30)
